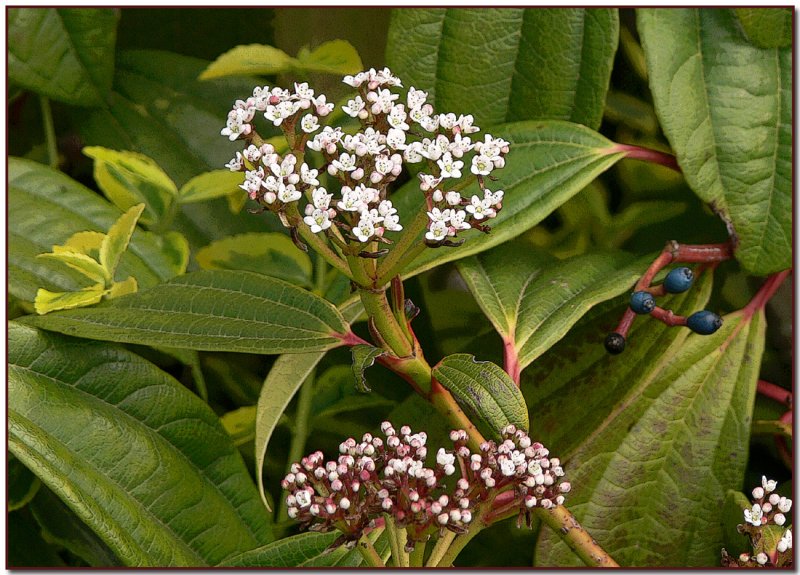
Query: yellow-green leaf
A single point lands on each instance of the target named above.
(118, 238)
(84, 242)
(123, 288)
(129, 178)
(80, 262)
(175, 247)
(47, 301)
(258, 59)
(210, 185)
(334, 57)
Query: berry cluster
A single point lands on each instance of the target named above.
(388, 476)
(392, 132)
(767, 512)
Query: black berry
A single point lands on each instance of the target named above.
(678, 280)
(642, 302)
(615, 343)
(704, 322)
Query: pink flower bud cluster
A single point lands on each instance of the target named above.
(388, 476)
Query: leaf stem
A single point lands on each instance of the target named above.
(49, 132)
(396, 541)
(647, 155)
(369, 553)
(417, 556)
(774, 392)
(576, 537)
(378, 308)
(442, 545)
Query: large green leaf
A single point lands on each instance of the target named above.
(484, 390)
(533, 299)
(65, 54)
(284, 379)
(767, 27)
(549, 162)
(211, 310)
(654, 437)
(46, 207)
(135, 455)
(508, 64)
(726, 108)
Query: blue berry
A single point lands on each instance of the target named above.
(615, 343)
(642, 302)
(704, 322)
(678, 280)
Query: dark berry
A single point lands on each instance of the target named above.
(615, 343)
(678, 280)
(704, 322)
(642, 302)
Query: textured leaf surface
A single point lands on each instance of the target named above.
(333, 57)
(503, 65)
(252, 59)
(767, 27)
(282, 382)
(210, 185)
(211, 310)
(726, 108)
(533, 299)
(64, 54)
(663, 433)
(47, 301)
(484, 389)
(363, 357)
(45, 208)
(270, 253)
(133, 453)
(116, 241)
(548, 163)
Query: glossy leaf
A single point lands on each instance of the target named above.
(284, 379)
(507, 64)
(210, 185)
(726, 108)
(64, 54)
(533, 299)
(47, 301)
(363, 357)
(122, 443)
(767, 27)
(117, 239)
(129, 178)
(549, 162)
(332, 57)
(211, 310)
(46, 208)
(668, 433)
(484, 389)
(252, 59)
(269, 253)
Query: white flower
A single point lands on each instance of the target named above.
(302, 91)
(236, 164)
(436, 215)
(447, 121)
(365, 229)
(382, 101)
(383, 165)
(464, 125)
(459, 146)
(321, 198)
(437, 233)
(754, 515)
(309, 176)
(303, 498)
(309, 123)
(779, 519)
(480, 208)
(458, 220)
(481, 165)
(494, 199)
(507, 467)
(444, 458)
(392, 223)
(318, 221)
(355, 81)
(449, 167)
(786, 541)
(397, 117)
(428, 181)
(351, 200)
(236, 125)
(453, 198)
(345, 163)
(286, 167)
(768, 485)
(413, 153)
(396, 139)
(321, 106)
(367, 195)
(326, 140)
(784, 504)
(252, 154)
(355, 108)
(416, 98)
(289, 194)
(758, 493)
(762, 558)
(277, 114)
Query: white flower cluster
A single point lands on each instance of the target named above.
(768, 506)
(366, 162)
(389, 475)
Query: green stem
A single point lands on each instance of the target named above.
(417, 556)
(397, 541)
(456, 547)
(409, 256)
(395, 259)
(440, 549)
(301, 428)
(567, 527)
(49, 132)
(378, 308)
(320, 246)
(369, 553)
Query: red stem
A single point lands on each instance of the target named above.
(647, 155)
(765, 293)
(775, 392)
(511, 361)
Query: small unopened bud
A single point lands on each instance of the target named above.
(762, 558)
(344, 503)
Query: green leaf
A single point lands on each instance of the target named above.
(732, 515)
(240, 424)
(118, 238)
(533, 299)
(548, 163)
(767, 27)
(45, 208)
(289, 552)
(86, 243)
(47, 301)
(210, 185)
(22, 485)
(129, 178)
(332, 57)
(123, 288)
(284, 379)
(130, 451)
(175, 248)
(271, 253)
(252, 59)
(64, 54)
(363, 357)
(485, 390)
(668, 434)
(726, 108)
(508, 64)
(87, 266)
(214, 311)
(62, 526)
